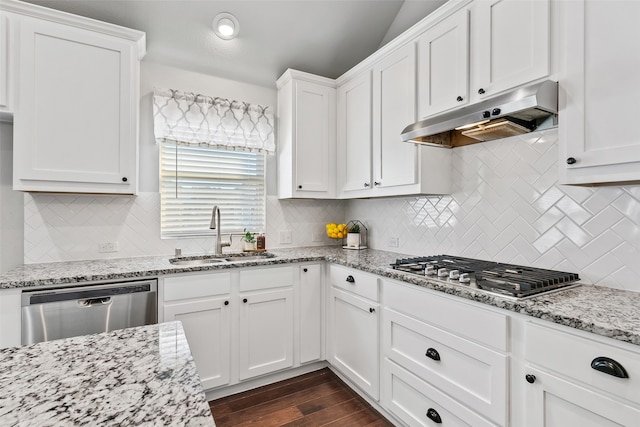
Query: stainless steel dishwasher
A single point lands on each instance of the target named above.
(66, 312)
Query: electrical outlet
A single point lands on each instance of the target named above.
(108, 247)
(285, 237)
(394, 242)
(317, 237)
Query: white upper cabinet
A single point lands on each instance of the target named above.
(598, 140)
(394, 107)
(354, 135)
(484, 49)
(510, 44)
(443, 55)
(76, 120)
(6, 74)
(306, 136)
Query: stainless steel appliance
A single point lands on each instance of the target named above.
(506, 280)
(524, 110)
(51, 314)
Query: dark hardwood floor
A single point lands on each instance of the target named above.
(315, 399)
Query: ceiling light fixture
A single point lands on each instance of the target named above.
(226, 26)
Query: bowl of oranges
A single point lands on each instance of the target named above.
(336, 231)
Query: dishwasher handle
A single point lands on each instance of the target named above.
(94, 301)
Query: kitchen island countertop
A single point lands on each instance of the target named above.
(612, 313)
(136, 376)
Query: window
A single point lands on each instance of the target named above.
(195, 178)
(212, 153)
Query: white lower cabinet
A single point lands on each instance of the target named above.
(266, 332)
(418, 403)
(562, 386)
(354, 339)
(241, 324)
(207, 326)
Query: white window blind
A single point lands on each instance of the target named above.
(195, 178)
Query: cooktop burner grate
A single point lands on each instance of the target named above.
(505, 279)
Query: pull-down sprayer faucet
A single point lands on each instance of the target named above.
(215, 225)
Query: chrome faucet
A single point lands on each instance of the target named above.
(215, 225)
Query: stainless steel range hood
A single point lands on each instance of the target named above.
(524, 110)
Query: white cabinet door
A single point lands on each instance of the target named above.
(354, 339)
(314, 136)
(395, 163)
(509, 43)
(5, 72)
(354, 136)
(207, 327)
(443, 65)
(266, 332)
(555, 402)
(76, 123)
(598, 140)
(310, 313)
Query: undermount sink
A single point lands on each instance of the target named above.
(229, 258)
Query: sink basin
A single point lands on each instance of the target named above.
(229, 258)
(198, 261)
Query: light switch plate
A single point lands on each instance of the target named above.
(285, 237)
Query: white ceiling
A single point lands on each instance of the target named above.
(324, 37)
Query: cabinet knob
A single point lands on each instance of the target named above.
(124, 179)
(495, 111)
(366, 184)
(376, 183)
(350, 279)
(244, 300)
(371, 309)
(459, 99)
(299, 187)
(530, 378)
(226, 303)
(432, 353)
(571, 160)
(305, 270)
(433, 415)
(486, 114)
(609, 366)
(480, 91)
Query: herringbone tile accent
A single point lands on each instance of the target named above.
(506, 205)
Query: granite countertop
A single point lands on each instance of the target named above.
(604, 311)
(136, 376)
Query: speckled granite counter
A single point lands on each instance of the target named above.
(137, 376)
(608, 312)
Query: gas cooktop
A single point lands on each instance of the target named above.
(506, 280)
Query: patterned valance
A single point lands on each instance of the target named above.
(189, 118)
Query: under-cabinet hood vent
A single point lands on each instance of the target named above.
(524, 110)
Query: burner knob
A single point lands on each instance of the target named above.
(443, 272)
(464, 278)
(454, 274)
(429, 270)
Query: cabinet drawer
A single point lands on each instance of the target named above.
(480, 325)
(358, 282)
(411, 399)
(571, 355)
(469, 372)
(196, 286)
(256, 279)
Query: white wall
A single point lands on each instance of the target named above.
(506, 205)
(11, 202)
(62, 227)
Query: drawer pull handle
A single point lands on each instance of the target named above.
(530, 378)
(609, 366)
(432, 353)
(350, 279)
(433, 415)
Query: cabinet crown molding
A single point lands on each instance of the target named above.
(40, 12)
(291, 74)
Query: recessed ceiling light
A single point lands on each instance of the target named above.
(226, 26)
